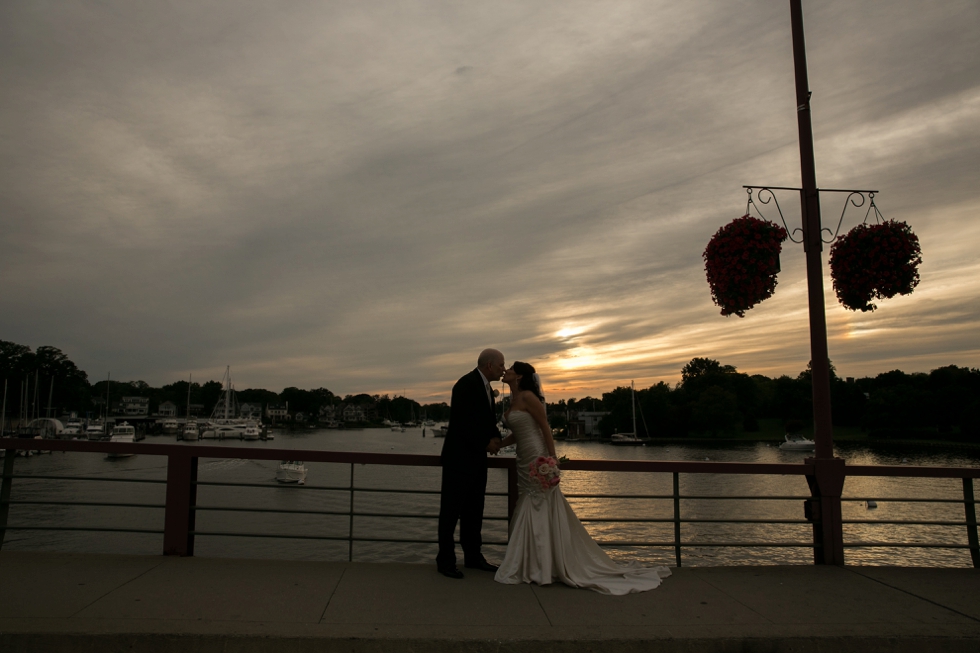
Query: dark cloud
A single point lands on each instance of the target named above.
(332, 194)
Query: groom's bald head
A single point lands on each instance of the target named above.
(491, 363)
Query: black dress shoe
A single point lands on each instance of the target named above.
(450, 572)
(482, 565)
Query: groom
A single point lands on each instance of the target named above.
(471, 435)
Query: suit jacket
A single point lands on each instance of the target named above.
(472, 422)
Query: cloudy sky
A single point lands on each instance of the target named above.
(362, 195)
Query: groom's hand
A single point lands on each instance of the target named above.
(494, 446)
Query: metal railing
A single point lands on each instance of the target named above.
(181, 506)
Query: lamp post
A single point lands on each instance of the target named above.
(813, 246)
(827, 481)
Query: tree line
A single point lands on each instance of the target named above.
(37, 379)
(713, 399)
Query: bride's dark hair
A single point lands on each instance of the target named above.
(527, 382)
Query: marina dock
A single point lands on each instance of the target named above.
(84, 602)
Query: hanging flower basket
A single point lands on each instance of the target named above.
(875, 261)
(741, 262)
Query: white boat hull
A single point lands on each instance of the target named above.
(291, 474)
(798, 444)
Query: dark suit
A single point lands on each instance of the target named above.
(472, 424)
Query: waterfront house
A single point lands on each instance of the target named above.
(353, 413)
(590, 422)
(167, 409)
(135, 406)
(250, 411)
(277, 411)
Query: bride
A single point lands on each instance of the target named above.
(547, 541)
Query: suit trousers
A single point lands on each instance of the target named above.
(464, 488)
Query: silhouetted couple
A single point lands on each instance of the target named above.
(547, 542)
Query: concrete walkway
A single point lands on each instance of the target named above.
(75, 602)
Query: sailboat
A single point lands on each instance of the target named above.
(630, 439)
(190, 432)
(223, 423)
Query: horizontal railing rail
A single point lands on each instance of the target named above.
(181, 508)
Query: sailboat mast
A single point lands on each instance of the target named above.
(35, 408)
(227, 390)
(50, 394)
(108, 382)
(190, 377)
(633, 401)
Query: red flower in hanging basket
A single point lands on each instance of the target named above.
(741, 262)
(874, 261)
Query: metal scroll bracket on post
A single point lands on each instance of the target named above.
(854, 198)
(824, 510)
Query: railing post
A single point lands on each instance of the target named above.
(179, 514)
(511, 492)
(971, 521)
(826, 485)
(8, 472)
(677, 519)
(350, 525)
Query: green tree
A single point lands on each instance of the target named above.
(699, 367)
(716, 410)
(16, 361)
(619, 403)
(437, 412)
(210, 392)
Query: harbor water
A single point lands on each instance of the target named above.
(273, 496)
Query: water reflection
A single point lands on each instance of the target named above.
(331, 475)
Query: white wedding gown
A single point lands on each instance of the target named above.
(549, 543)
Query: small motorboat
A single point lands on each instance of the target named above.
(122, 433)
(252, 432)
(291, 471)
(95, 431)
(797, 443)
(73, 427)
(190, 432)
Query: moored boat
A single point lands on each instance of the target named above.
(227, 431)
(252, 431)
(190, 431)
(95, 431)
(123, 432)
(629, 439)
(797, 443)
(73, 427)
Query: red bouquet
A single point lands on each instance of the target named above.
(874, 261)
(741, 262)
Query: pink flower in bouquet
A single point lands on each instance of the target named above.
(545, 471)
